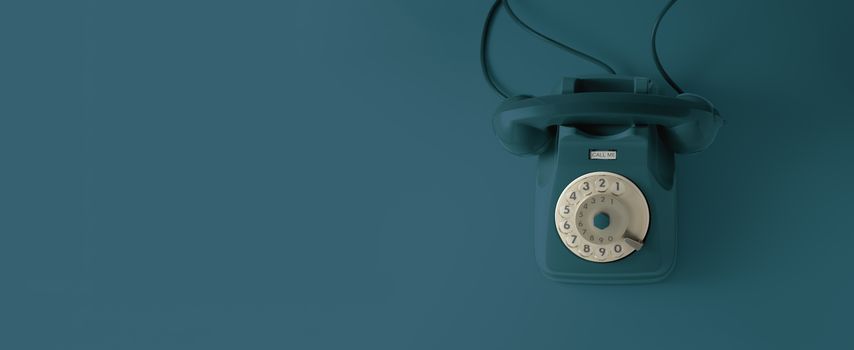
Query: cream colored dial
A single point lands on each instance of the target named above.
(602, 217)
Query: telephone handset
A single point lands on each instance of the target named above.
(605, 188)
(689, 122)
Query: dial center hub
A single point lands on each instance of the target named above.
(601, 220)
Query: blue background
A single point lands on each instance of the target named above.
(323, 174)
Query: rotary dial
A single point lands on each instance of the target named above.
(602, 217)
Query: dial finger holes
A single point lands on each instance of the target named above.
(601, 184)
(585, 250)
(565, 210)
(601, 253)
(572, 240)
(566, 226)
(571, 197)
(618, 187)
(585, 186)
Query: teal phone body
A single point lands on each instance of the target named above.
(605, 148)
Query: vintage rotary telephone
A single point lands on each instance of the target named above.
(605, 207)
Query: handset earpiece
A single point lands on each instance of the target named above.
(699, 133)
(519, 138)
